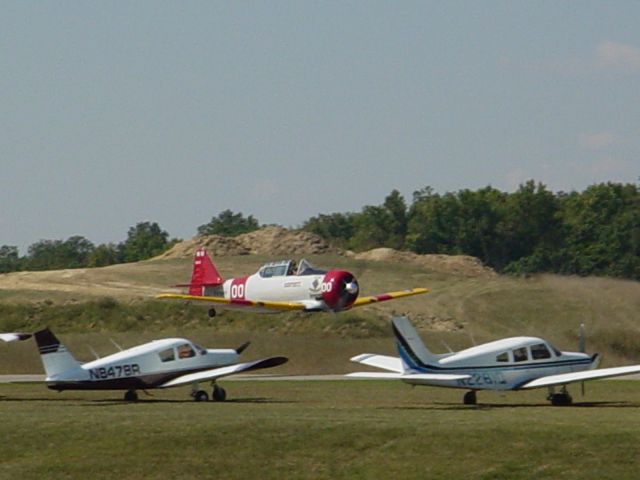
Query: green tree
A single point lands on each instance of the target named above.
(103, 255)
(337, 228)
(59, 254)
(9, 259)
(229, 224)
(603, 231)
(145, 240)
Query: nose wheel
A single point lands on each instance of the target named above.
(211, 312)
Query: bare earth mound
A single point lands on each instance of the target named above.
(456, 264)
(266, 241)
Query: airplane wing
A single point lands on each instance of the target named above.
(14, 337)
(429, 377)
(383, 297)
(216, 373)
(279, 306)
(565, 378)
(384, 362)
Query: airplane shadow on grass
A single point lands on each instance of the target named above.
(496, 406)
(103, 402)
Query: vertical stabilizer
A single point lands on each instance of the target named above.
(53, 354)
(204, 274)
(412, 351)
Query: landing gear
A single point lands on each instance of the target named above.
(130, 396)
(561, 399)
(200, 396)
(211, 312)
(218, 394)
(470, 398)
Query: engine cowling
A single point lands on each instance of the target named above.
(339, 290)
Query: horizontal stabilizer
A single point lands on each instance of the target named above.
(565, 378)
(216, 373)
(15, 337)
(384, 362)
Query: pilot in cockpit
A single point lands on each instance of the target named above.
(292, 268)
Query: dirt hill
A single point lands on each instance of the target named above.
(456, 264)
(276, 241)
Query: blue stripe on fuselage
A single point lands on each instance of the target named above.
(424, 368)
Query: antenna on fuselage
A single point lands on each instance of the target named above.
(93, 352)
(115, 344)
(447, 346)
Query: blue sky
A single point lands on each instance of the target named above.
(113, 113)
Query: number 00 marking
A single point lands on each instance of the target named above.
(237, 291)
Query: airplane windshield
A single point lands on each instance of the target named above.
(305, 268)
(202, 351)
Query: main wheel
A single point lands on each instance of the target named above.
(470, 398)
(561, 399)
(212, 312)
(130, 396)
(200, 396)
(219, 394)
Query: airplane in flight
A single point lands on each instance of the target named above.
(517, 363)
(165, 363)
(278, 287)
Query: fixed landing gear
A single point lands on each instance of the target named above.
(561, 399)
(470, 398)
(211, 312)
(218, 394)
(130, 396)
(200, 396)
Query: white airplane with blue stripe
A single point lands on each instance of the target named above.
(517, 363)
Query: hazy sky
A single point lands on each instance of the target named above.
(113, 113)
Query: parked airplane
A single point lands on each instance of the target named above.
(169, 362)
(278, 287)
(517, 363)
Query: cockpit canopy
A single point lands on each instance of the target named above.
(283, 268)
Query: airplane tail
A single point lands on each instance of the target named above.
(54, 355)
(413, 352)
(203, 275)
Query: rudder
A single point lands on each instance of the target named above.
(54, 355)
(204, 274)
(412, 350)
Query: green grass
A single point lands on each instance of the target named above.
(318, 430)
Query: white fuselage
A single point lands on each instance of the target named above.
(501, 365)
(144, 366)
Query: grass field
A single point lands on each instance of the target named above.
(320, 429)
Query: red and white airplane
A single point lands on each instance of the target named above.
(278, 287)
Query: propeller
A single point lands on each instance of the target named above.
(348, 291)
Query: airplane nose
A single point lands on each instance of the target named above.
(351, 287)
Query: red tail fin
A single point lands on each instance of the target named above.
(204, 274)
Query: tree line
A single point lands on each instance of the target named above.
(593, 232)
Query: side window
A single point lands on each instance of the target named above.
(503, 357)
(267, 272)
(185, 351)
(540, 351)
(520, 354)
(167, 355)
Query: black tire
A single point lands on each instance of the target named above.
(561, 399)
(200, 396)
(470, 398)
(130, 396)
(211, 312)
(219, 394)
